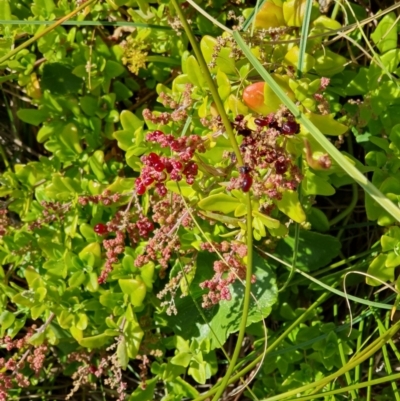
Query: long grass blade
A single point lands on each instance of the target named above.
(347, 389)
(87, 23)
(303, 39)
(334, 153)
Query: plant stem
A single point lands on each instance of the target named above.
(235, 146)
(45, 31)
(368, 384)
(303, 39)
(4, 157)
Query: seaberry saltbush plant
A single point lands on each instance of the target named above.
(177, 180)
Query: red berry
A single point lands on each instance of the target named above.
(177, 165)
(247, 182)
(140, 187)
(159, 166)
(290, 128)
(261, 122)
(100, 229)
(169, 167)
(153, 158)
(148, 180)
(191, 168)
(281, 166)
(239, 118)
(158, 133)
(189, 179)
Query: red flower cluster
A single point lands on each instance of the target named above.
(157, 168)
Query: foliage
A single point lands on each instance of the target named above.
(164, 181)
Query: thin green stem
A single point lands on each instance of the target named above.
(303, 39)
(341, 390)
(227, 124)
(306, 315)
(162, 59)
(4, 157)
(87, 23)
(357, 373)
(370, 372)
(336, 8)
(45, 31)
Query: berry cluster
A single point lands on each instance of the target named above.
(264, 148)
(157, 168)
(227, 271)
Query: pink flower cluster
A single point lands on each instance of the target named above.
(10, 377)
(227, 271)
(4, 222)
(106, 198)
(114, 247)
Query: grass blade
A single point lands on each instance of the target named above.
(303, 39)
(334, 153)
(87, 23)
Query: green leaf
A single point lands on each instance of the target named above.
(268, 222)
(328, 63)
(182, 359)
(219, 203)
(113, 69)
(70, 138)
(59, 79)
(378, 269)
(130, 121)
(98, 341)
(5, 10)
(315, 250)
(385, 34)
(290, 205)
(135, 288)
(147, 394)
(37, 339)
(6, 320)
(76, 279)
(32, 116)
(327, 124)
(194, 72)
